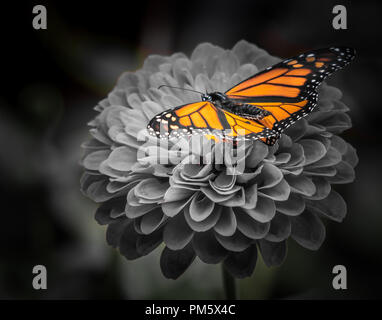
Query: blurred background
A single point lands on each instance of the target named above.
(51, 80)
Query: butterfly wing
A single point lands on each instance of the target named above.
(208, 119)
(289, 89)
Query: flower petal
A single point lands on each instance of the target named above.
(122, 158)
(147, 243)
(177, 234)
(258, 152)
(238, 199)
(331, 158)
(151, 221)
(226, 225)
(176, 194)
(280, 192)
(322, 189)
(249, 226)
(171, 209)
(344, 174)
(150, 189)
(351, 156)
(103, 213)
(273, 253)
(174, 263)
(280, 228)
(115, 230)
(128, 243)
(93, 160)
(265, 210)
(250, 197)
(308, 230)
(332, 207)
(313, 150)
(241, 264)
(294, 206)
(206, 224)
(270, 176)
(215, 196)
(207, 248)
(237, 242)
(200, 207)
(301, 185)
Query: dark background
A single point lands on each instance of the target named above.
(50, 81)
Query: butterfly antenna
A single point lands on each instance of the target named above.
(165, 85)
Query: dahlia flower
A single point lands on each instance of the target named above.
(198, 209)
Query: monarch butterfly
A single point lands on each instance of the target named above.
(260, 107)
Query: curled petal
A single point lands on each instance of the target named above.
(224, 182)
(250, 197)
(200, 207)
(215, 196)
(171, 209)
(176, 194)
(206, 224)
(238, 199)
(150, 189)
(151, 221)
(133, 212)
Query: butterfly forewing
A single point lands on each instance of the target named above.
(289, 89)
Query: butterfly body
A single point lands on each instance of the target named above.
(260, 107)
(236, 106)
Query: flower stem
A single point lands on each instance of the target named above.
(229, 284)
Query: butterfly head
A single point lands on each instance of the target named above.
(214, 96)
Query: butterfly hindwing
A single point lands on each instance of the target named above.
(205, 118)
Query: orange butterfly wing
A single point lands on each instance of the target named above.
(289, 89)
(205, 118)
